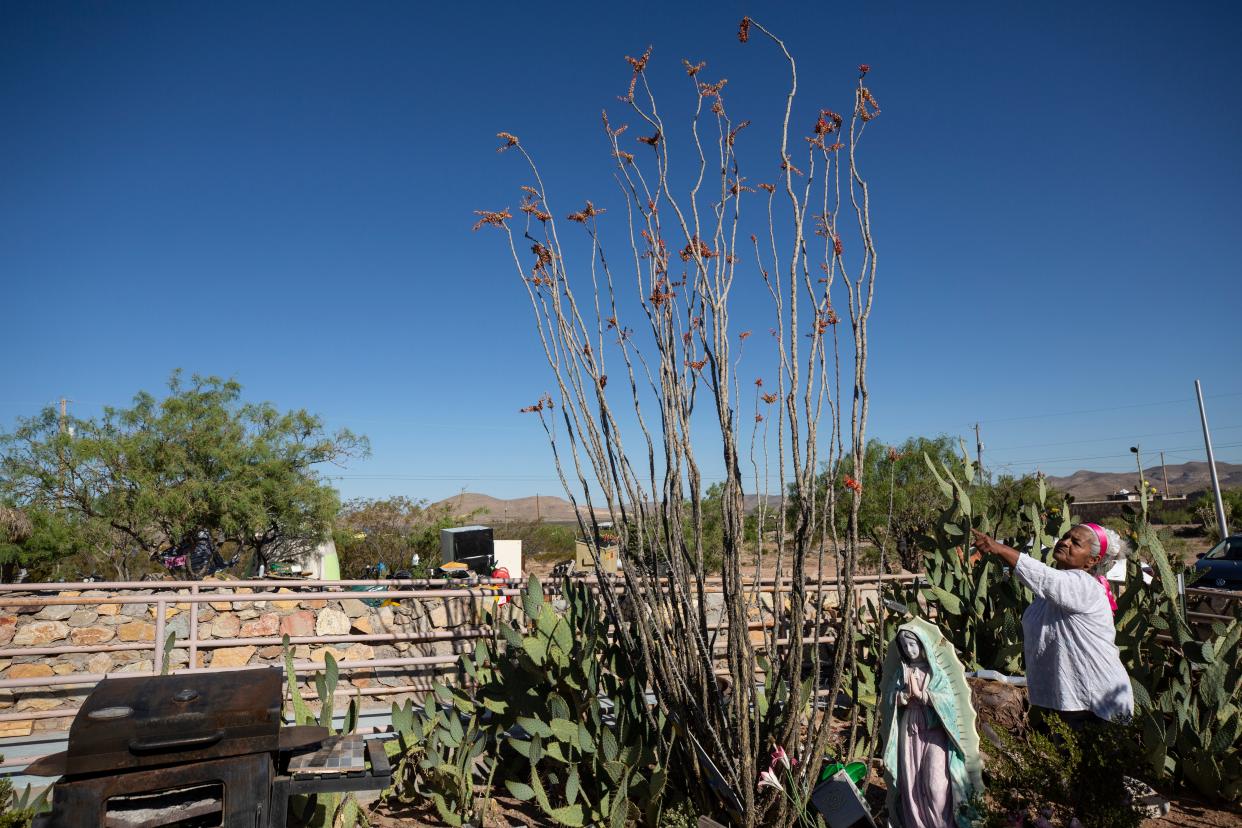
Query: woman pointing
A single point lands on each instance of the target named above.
(1073, 669)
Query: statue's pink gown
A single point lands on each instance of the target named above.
(923, 751)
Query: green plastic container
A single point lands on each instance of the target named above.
(856, 771)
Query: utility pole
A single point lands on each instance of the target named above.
(1207, 441)
(1165, 472)
(60, 450)
(538, 511)
(978, 454)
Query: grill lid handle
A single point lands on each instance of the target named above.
(183, 743)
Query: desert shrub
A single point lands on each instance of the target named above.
(1060, 775)
(1179, 517)
(869, 560)
(11, 815)
(1204, 507)
(540, 541)
(680, 815)
(393, 531)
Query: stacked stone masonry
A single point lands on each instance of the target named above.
(89, 625)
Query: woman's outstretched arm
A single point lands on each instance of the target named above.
(1065, 589)
(991, 546)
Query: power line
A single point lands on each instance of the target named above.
(1043, 416)
(1111, 438)
(1040, 460)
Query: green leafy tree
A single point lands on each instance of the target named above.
(901, 499)
(49, 537)
(915, 496)
(391, 531)
(139, 479)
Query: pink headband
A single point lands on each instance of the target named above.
(1099, 534)
(1103, 538)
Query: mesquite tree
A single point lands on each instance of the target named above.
(740, 676)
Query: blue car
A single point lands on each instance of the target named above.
(1222, 564)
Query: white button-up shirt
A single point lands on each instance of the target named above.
(1069, 641)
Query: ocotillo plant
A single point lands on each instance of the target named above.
(632, 447)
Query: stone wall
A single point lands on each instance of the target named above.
(110, 624)
(106, 624)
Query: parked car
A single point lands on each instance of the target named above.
(1222, 564)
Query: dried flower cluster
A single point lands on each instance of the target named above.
(867, 107)
(491, 218)
(589, 211)
(545, 402)
(509, 141)
(697, 246)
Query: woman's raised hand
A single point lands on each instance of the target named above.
(990, 546)
(986, 544)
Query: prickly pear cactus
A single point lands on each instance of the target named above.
(1187, 679)
(979, 603)
(557, 711)
(572, 709)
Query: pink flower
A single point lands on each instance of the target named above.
(780, 757)
(768, 779)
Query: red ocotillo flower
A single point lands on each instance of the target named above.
(743, 30)
(494, 218)
(639, 63)
(733, 132)
(589, 211)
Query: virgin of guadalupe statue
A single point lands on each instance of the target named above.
(931, 749)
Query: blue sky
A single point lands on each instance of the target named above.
(283, 193)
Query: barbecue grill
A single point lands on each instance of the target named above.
(197, 750)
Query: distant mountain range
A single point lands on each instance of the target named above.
(518, 510)
(487, 509)
(1184, 478)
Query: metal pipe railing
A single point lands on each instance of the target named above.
(104, 586)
